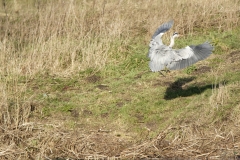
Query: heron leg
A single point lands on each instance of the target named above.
(162, 73)
(166, 70)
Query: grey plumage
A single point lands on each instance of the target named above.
(163, 28)
(162, 56)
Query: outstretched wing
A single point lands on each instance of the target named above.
(163, 28)
(190, 55)
(165, 57)
(156, 40)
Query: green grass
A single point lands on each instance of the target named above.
(76, 73)
(128, 92)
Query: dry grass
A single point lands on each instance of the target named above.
(189, 142)
(51, 141)
(220, 95)
(65, 37)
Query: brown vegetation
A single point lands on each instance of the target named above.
(62, 38)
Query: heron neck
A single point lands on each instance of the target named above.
(172, 42)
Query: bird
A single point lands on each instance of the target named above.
(163, 57)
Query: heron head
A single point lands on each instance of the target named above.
(175, 34)
(161, 34)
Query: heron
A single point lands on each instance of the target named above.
(163, 57)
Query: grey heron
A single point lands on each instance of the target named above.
(164, 57)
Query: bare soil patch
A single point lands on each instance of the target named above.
(202, 69)
(234, 56)
(93, 79)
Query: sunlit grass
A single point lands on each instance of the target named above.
(83, 65)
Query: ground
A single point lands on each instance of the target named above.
(75, 81)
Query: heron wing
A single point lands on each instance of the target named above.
(190, 55)
(163, 28)
(156, 41)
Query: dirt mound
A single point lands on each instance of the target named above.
(202, 69)
(234, 56)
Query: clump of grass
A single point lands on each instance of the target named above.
(190, 69)
(219, 96)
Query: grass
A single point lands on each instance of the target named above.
(75, 81)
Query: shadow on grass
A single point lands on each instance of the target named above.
(177, 89)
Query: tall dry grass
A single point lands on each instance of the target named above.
(64, 37)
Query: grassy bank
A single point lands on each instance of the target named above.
(75, 81)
